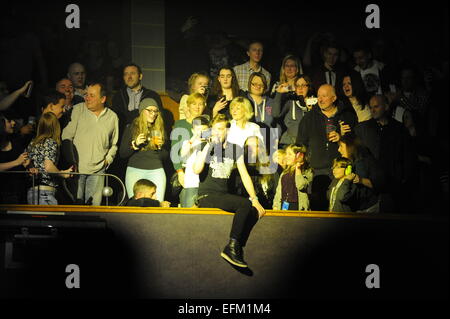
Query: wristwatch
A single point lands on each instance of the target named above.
(253, 198)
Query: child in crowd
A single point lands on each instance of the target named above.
(342, 188)
(291, 193)
(43, 152)
(189, 150)
(279, 158)
(144, 195)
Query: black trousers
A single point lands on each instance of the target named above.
(245, 215)
(319, 187)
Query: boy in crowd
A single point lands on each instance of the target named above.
(341, 188)
(144, 195)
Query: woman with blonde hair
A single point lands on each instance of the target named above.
(142, 143)
(240, 126)
(182, 131)
(291, 68)
(292, 189)
(261, 171)
(43, 152)
(197, 83)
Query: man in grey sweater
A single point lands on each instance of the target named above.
(93, 130)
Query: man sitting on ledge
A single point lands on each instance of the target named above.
(214, 165)
(144, 195)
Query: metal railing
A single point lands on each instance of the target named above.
(106, 186)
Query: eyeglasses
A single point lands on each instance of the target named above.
(152, 111)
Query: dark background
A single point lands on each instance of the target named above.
(415, 31)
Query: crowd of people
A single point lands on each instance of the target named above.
(328, 137)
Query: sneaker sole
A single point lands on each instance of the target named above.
(225, 256)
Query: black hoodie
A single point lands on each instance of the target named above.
(312, 133)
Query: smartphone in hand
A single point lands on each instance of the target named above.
(30, 88)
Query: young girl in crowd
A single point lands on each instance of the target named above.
(341, 188)
(142, 143)
(198, 83)
(291, 193)
(44, 153)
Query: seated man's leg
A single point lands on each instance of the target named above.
(244, 219)
(240, 206)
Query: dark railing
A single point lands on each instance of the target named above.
(106, 187)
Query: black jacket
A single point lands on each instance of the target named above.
(392, 146)
(318, 76)
(345, 192)
(120, 106)
(143, 202)
(366, 166)
(312, 133)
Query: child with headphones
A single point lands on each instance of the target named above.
(342, 188)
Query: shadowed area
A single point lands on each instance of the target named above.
(177, 255)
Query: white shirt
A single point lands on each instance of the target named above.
(238, 136)
(191, 180)
(371, 77)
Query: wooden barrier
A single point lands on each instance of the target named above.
(132, 252)
(209, 211)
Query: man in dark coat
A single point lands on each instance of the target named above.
(319, 131)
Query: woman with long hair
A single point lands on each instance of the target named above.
(142, 144)
(224, 89)
(292, 189)
(291, 68)
(368, 176)
(293, 107)
(44, 153)
(354, 95)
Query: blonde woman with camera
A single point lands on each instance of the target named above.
(142, 144)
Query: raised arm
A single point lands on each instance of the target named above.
(11, 98)
(200, 160)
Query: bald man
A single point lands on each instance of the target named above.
(390, 143)
(77, 74)
(318, 131)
